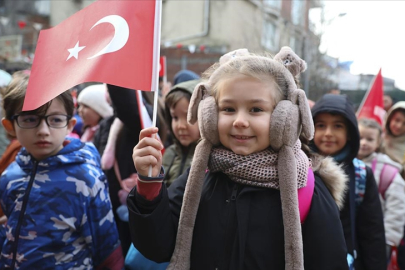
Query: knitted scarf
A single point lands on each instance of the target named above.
(257, 169)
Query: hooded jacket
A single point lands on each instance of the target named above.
(394, 146)
(369, 238)
(59, 211)
(177, 159)
(393, 205)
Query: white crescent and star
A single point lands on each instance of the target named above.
(121, 35)
(74, 52)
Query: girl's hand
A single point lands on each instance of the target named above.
(128, 184)
(148, 152)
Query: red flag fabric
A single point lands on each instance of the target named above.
(372, 105)
(109, 41)
(162, 66)
(146, 121)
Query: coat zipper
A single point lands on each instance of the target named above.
(22, 213)
(228, 244)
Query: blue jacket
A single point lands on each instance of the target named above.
(59, 211)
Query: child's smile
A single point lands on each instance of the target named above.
(330, 133)
(245, 106)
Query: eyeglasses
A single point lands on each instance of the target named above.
(28, 121)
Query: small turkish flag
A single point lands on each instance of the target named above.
(162, 66)
(372, 105)
(110, 41)
(21, 24)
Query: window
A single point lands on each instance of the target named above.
(276, 4)
(43, 7)
(269, 35)
(292, 43)
(298, 9)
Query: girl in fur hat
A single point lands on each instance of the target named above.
(237, 207)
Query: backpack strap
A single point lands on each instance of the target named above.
(360, 180)
(387, 175)
(357, 189)
(305, 196)
(374, 164)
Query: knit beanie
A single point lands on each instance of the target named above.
(184, 76)
(94, 97)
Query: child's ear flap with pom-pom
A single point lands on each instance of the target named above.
(199, 92)
(285, 125)
(203, 109)
(291, 61)
(307, 122)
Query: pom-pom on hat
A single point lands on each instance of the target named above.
(94, 96)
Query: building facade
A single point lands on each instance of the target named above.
(210, 28)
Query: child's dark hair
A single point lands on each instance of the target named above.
(14, 94)
(175, 96)
(346, 121)
(371, 123)
(171, 100)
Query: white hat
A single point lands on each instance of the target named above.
(94, 96)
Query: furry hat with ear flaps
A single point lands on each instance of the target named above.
(290, 119)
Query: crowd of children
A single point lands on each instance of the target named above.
(239, 173)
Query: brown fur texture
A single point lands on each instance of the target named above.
(333, 177)
(291, 117)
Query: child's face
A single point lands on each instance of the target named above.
(184, 133)
(369, 141)
(330, 133)
(245, 107)
(89, 116)
(43, 141)
(397, 124)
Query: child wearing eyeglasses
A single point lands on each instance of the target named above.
(55, 195)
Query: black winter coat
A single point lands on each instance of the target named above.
(370, 234)
(369, 224)
(237, 227)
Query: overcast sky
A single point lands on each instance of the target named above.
(371, 33)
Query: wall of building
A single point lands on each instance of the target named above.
(61, 10)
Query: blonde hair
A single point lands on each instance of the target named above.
(256, 67)
(371, 123)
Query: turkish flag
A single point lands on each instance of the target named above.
(372, 105)
(110, 41)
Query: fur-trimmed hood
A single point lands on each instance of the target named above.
(397, 106)
(333, 177)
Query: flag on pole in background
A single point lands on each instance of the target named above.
(109, 41)
(372, 105)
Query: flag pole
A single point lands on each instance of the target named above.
(156, 59)
(366, 95)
